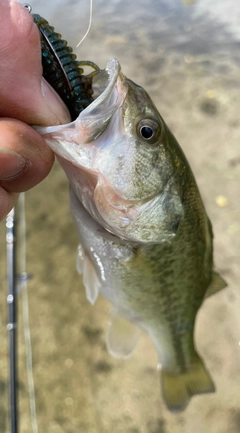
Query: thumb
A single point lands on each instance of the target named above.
(25, 95)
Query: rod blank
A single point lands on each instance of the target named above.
(12, 315)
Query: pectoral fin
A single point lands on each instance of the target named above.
(90, 280)
(80, 260)
(216, 285)
(177, 389)
(122, 336)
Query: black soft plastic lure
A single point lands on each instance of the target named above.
(61, 69)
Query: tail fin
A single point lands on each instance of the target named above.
(177, 389)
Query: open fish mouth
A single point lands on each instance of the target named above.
(73, 141)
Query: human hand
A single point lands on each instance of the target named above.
(25, 99)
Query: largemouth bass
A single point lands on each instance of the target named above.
(146, 240)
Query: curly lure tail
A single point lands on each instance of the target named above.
(62, 71)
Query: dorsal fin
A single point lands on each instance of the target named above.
(217, 284)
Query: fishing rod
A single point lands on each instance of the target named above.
(17, 282)
(12, 315)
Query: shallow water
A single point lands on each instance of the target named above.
(187, 58)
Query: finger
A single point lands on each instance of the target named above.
(25, 159)
(25, 95)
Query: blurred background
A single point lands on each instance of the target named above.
(186, 55)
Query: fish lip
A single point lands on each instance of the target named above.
(113, 69)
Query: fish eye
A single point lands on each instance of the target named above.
(149, 130)
(146, 132)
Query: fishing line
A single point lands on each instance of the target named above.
(25, 310)
(89, 25)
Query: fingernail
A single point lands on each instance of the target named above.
(54, 102)
(11, 163)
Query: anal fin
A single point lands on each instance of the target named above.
(177, 389)
(122, 336)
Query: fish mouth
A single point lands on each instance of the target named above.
(72, 141)
(103, 86)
